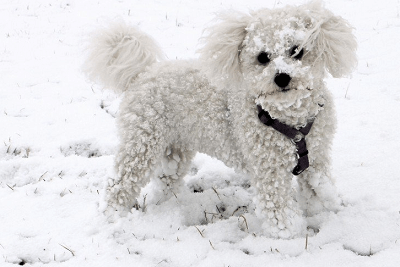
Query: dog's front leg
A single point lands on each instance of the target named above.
(276, 205)
(317, 189)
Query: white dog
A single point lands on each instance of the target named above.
(255, 100)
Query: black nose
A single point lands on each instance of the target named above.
(282, 80)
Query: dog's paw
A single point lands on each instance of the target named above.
(317, 205)
(113, 213)
(288, 225)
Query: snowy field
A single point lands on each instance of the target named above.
(58, 140)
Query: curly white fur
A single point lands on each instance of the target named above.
(173, 109)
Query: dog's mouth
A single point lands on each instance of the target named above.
(283, 94)
(285, 90)
(285, 98)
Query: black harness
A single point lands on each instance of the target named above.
(297, 137)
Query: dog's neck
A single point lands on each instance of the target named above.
(296, 135)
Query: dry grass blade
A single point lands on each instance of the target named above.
(348, 86)
(306, 242)
(10, 187)
(245, 221)
(70, 250)
(215, 190)
(205, 215)
(144, 203)
(244, 208)
(233, 213)
(201, 233)
(211, 244)
(218, 209)
(41, 177)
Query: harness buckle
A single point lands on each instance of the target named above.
(298, 137)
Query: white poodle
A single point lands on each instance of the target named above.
(255, 100)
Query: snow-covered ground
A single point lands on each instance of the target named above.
(58, 140)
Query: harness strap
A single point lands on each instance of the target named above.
(297, 137)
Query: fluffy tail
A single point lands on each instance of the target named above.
(118, 54)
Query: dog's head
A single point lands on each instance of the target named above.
(282, 54)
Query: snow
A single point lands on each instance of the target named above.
(58, 141)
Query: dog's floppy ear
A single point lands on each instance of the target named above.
(331, 36)
(222, 44)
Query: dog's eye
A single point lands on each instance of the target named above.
(263, 58)
(294, 50)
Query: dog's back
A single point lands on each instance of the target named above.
(179, 97)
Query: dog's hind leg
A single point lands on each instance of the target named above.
(134, 169)
(175, 165)
(141, 148)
